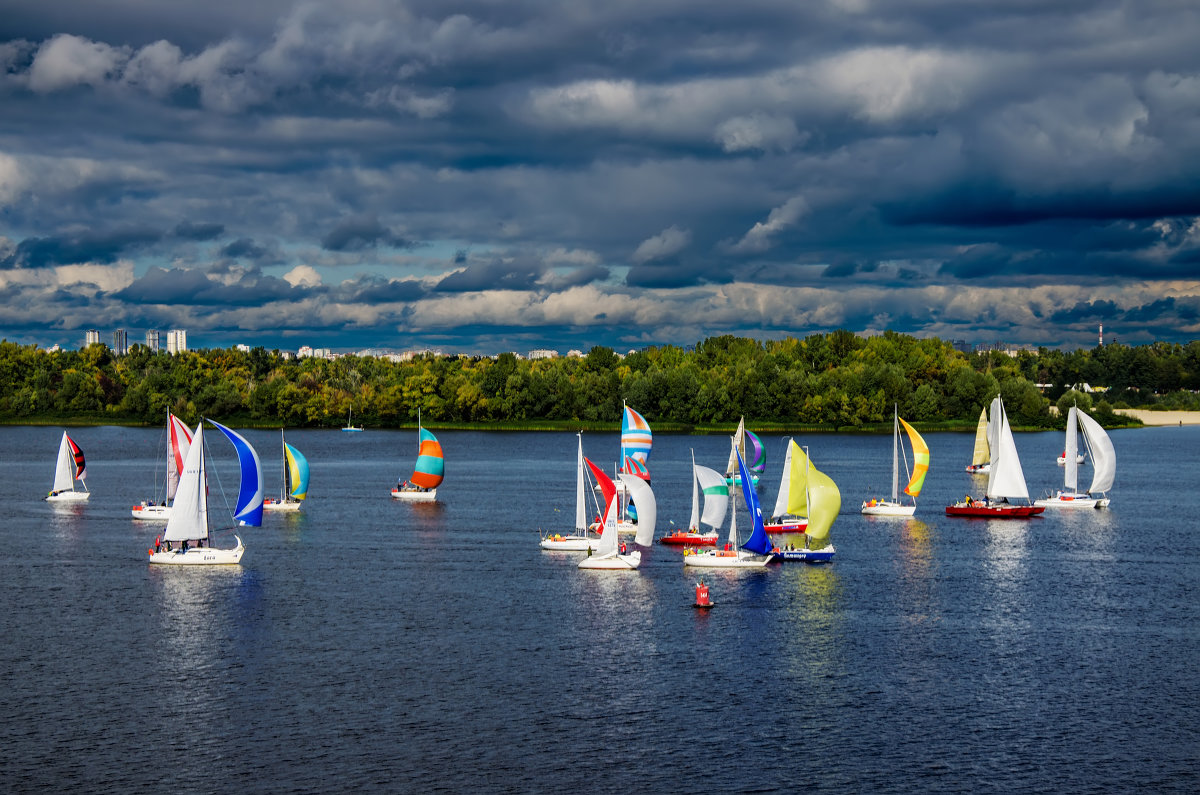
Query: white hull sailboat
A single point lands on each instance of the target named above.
(350, 426)
(610, 554)
(69, 467)
(295, 481)
(428, 472)
(1104, 465)
(756, 552)
(811, 493)
(893, 507)
(581, 540)
(179, 440)
(187, 539)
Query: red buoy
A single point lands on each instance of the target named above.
(702, 599)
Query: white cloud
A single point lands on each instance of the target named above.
(759, 131)
(666, 243)
(67, 60)
(303, 276)
(782, 217)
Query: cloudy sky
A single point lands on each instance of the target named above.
(487, 175)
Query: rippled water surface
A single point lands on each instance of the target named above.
(365, 644)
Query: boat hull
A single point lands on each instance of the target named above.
(289, 506)
(979, 469)
(720, 559)
(571, 543)
(887, 508)
(613, 562)
(151, 513)
(823, 555)
(994, 511)
(69, 496)
(690, 539)
(200, 556)
(408, 495)
(1068, 500)
(798, 526)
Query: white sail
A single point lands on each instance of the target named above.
(739, 446)
(716, 495)
(1071, 464)
(1104, 457)
(607, 545)
(785, 481)
(189, 516)
(1006, 480)
(647, 508)
(895, 453)
(580, 491)
(694, 519)
(64, 470)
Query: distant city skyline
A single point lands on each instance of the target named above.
(512, 176)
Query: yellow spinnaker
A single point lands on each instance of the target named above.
(920, 460)
(822, 496)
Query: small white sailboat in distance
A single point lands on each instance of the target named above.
(893, 507)
(609, 554)
(187, 540)
(350, 426)
(581, 540)
(69, 467)
(1104, 465)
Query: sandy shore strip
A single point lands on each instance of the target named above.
(1162, 417)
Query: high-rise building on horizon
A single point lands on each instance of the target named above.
(91, 337)
(153, 340)
(176, 341)
(120, 344)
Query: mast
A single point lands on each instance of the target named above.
(895, 453)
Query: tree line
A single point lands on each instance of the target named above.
(836, 380)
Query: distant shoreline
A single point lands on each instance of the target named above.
(1149, 417)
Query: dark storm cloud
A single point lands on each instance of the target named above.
(357, 234)
(1090, 310)
(188, 230)
(770, 146)
(194, 287)
(97, 247)
(493, 275)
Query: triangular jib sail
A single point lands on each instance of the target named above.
(1006, 479)
(981, 454)
(189, 514)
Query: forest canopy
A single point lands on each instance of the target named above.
(835, 380)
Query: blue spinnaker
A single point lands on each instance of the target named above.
(759, 542)
(249, 509)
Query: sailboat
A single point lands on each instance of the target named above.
(428, 472)
(732, 476)
(610, 554)
(350, 426)
(581, 540)
(179, 440)
(1005, 479)
(893, 507)
(294, 487)
(188, 526)
(756, 552)
(813, 493)
(783, 520)
(1062, 459)
(981, 456)
(69, 468)
(1104, 465)
(716, 498)
(636, 441)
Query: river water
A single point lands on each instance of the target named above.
(368, 645)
